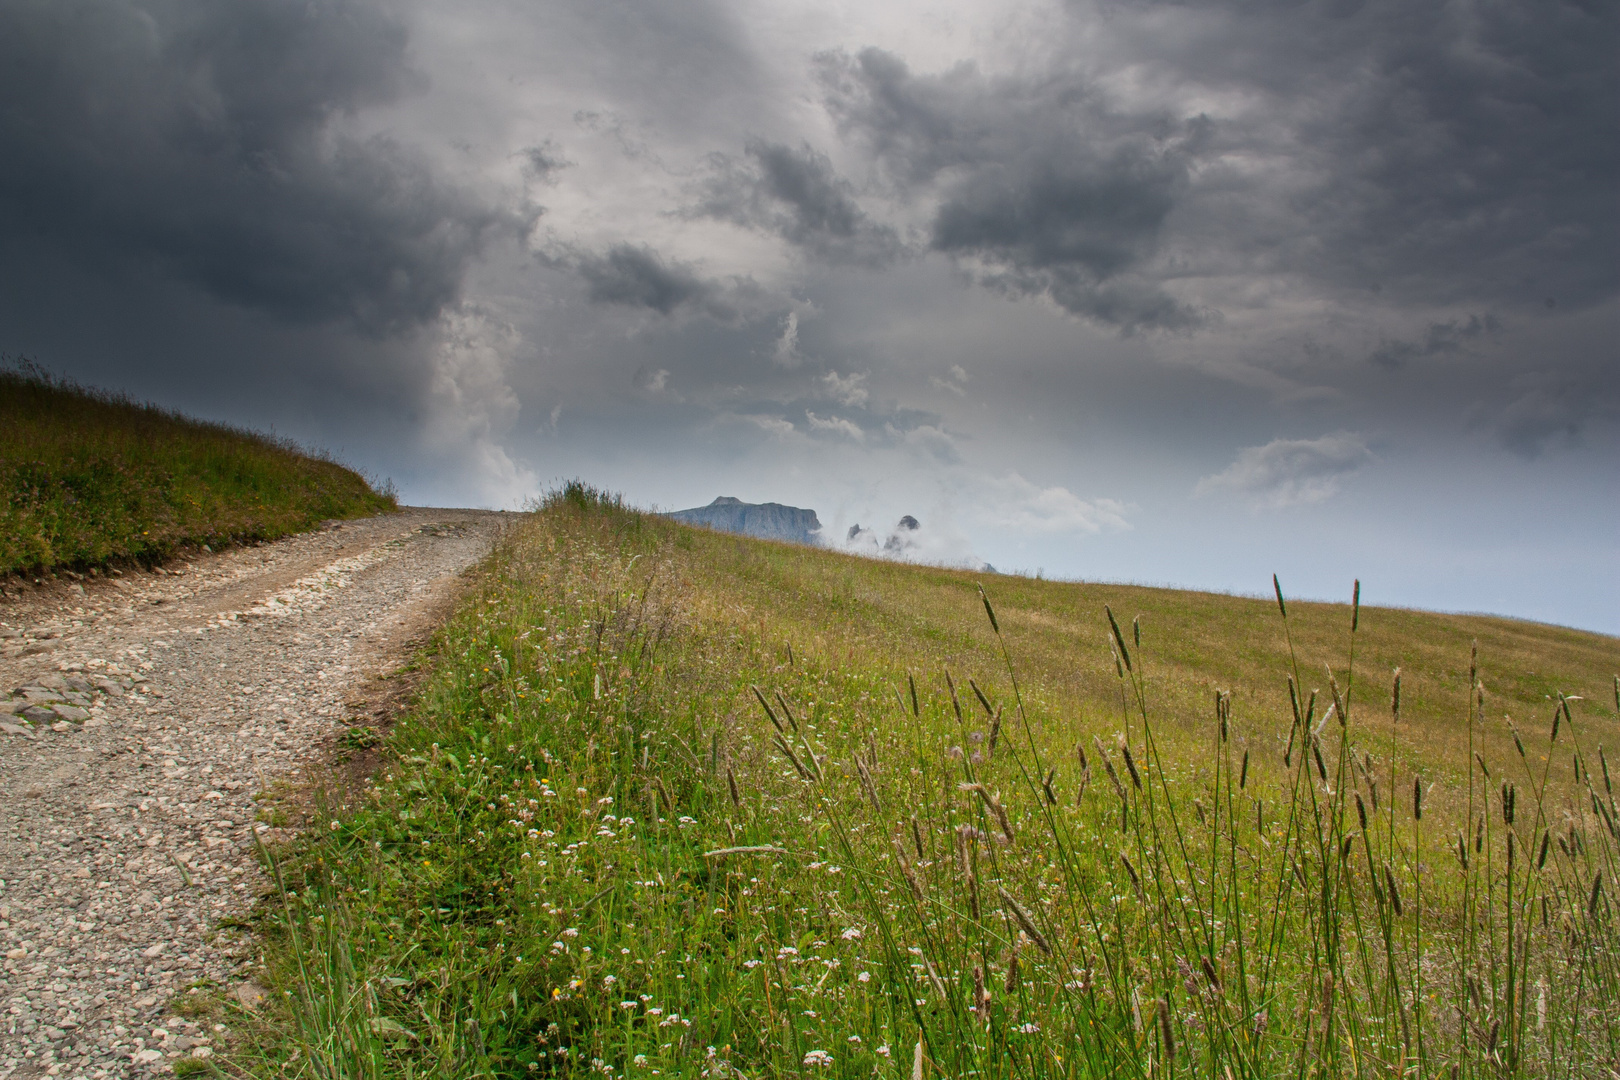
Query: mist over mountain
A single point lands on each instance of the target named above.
(768, 521)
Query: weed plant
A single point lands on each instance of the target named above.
(88, 478)
(633, 829)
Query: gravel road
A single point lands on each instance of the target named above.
(149, 709)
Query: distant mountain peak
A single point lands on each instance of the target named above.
(768, 521)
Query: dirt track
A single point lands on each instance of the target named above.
(127, 837)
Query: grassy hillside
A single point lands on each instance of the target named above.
(88, 477)
(597, 849)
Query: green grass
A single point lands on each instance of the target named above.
(597, 850)
(89, 478)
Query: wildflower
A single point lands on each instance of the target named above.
(609, 980)
(1027, 1029)
(852, 934)
(854, 1038)
(334, 826)
(571, 932)
(884, 1050)
(639, 1060)
(865, 976)
(627, 1004)
(750, 965)
(818, 1057)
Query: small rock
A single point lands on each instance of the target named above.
(38, 714)
(147, 1056)
(251, 994)
(77, 683)
(13, 706)
(75, 698)
(52, 682)
(40, 694)
(16, 729)
(62, 726)
(71, 713)
(110, 687)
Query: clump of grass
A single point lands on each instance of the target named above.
(628, 830)
(88, 478)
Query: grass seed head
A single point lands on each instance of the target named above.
(1025, 922)
(984, 702)
(1119, 639)
(1417, 799)
(1130, 763)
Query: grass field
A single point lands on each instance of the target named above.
(678, 803)
(88, 478)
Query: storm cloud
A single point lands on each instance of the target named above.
(796, 194)
(1043, 186)
(207, 143)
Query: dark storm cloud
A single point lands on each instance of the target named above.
(798, 195)
(1442, 339)
(1045, 187)
(636, 276)
(198, 140)
(1447, 154)
(545, 160)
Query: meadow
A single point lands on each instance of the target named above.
(89, 479)
(674, 803)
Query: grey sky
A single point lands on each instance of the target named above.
(1178, 293)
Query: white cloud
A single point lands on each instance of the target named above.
(846, 390)
(1016, 504)
(472, 406)
(652, 381)
(932, 440)
(773, 425)
(786, 353)
(1287, 472)
(954, 381)
(835, 425)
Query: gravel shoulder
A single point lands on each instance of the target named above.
(140, 716)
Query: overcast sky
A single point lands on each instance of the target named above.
(1170, 293)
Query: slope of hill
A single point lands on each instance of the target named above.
(767, 521)
(673, 798)
(88, 478)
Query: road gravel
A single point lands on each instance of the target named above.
(141, 715)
